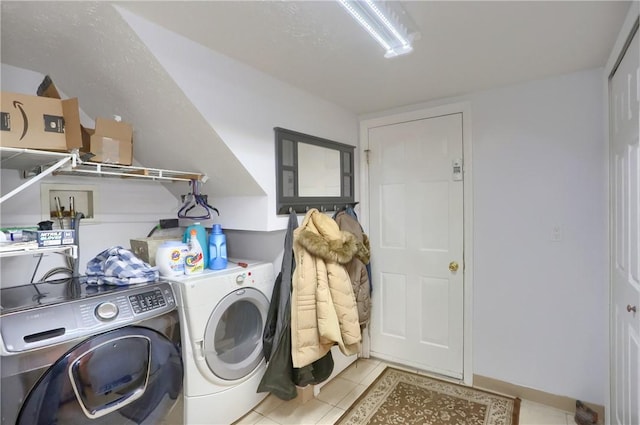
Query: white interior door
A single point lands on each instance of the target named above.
(624, 98)
(416, 233)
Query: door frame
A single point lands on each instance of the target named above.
(612, 63)
(413, 115)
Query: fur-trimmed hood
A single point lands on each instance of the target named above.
(320, 235)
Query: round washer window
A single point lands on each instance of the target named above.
(233, 336)
(128, 375)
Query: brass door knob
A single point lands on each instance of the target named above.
(631, 308)
(453, 266)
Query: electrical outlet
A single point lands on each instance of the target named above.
(168, 223)
(556, 233)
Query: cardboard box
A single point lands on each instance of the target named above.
(34, 122)
(49, 237)
(48, 89)
(111, 142)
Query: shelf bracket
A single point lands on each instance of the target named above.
(40, 164)
(35, 179)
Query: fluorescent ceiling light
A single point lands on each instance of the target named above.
(382, 23)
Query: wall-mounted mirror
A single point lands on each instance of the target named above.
(312, 172)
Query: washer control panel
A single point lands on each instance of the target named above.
(54, 324)
(147, 301)
(107, 311)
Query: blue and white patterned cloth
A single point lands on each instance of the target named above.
(119, 266)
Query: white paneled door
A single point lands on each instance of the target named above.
(416, 235)
(624, 98)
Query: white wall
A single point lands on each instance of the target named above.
(540, 306)
(540, 310)
(243, 105)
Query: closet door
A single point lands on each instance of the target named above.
(624, 98)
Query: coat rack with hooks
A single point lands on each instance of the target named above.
(322, 207)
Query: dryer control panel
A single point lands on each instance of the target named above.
(252, 275)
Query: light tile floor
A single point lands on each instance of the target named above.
(337, 395)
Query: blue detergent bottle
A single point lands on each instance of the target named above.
(201, 235)
(217, 248)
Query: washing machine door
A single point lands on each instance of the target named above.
(233, 336)
(131, 375)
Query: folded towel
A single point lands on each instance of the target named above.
(119, 266)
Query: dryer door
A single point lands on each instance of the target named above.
(233, 336)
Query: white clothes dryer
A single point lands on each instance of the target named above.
(223, 314)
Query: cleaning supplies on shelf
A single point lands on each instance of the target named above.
(202, 239)
(194, 260)
(217, 248)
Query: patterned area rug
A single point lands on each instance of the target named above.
(399, 397)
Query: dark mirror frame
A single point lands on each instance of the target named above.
(301, 204)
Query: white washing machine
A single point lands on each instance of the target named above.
(223, 314)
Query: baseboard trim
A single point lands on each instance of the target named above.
(559, 402)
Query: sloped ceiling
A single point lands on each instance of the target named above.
(91, 53)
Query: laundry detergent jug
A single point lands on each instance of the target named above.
(170, 258)
(217, 248)
(201, 234)
(194, 260)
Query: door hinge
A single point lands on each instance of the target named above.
(366, 153)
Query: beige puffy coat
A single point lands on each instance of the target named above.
(323, 306)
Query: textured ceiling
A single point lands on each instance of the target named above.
(464, 46)
(91, 53)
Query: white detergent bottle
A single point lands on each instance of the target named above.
(194, 260)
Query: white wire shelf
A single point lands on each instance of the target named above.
(26, 248)
(113, 170)
(36, 165)
(27, 159)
